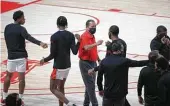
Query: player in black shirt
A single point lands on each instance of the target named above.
(114, 36)
(161, 65)
(15, 36)
(61, 43)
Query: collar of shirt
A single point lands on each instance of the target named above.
(61, 30)
(89, 35)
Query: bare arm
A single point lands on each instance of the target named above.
(88, 47)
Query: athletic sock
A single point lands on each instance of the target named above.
(4, 95)
(20, 96)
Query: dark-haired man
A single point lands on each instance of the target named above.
(114, 36)
(161, 65)
(149, 78)
(115, 70)
(15, 36)
(13, 100)
(161, 42)
(61, 43)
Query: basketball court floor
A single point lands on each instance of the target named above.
(137, 20)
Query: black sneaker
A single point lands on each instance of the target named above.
(74, 105)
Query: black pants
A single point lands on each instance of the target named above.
(110, 102)
(127, 103)
(149, 104)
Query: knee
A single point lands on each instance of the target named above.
(61, 87)
(22, 81)
(8, 74)
(53, 88)
(8, 77)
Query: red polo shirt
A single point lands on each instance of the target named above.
(87, 39)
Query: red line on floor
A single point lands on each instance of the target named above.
(65, 93)
(8, 6)
(97, 19)
(114, 10)
(75, 87)
(70, 7)
(33, 2)
(105, 10)
(154, 13)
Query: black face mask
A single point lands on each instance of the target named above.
(161, 35)
(92, 30)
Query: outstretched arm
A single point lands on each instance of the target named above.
(28, 37)
(52, 52)
(134, 63)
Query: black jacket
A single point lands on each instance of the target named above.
(149, 78)
(164, 87)
(115, 70)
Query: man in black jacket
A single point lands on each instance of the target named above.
(149, 78)
(161, 42)
(113, 35)
(114, 68)
(161, 65)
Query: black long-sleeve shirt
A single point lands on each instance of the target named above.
(149, 78)
(61, 43)
(15, 36)
(164, 88)
(163, 49)
(123, 47)
(115, 73)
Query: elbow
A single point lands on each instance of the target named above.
(75, 53)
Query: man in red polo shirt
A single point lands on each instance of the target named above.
(88, 57)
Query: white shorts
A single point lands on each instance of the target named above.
(17, 65)
(60, 73)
